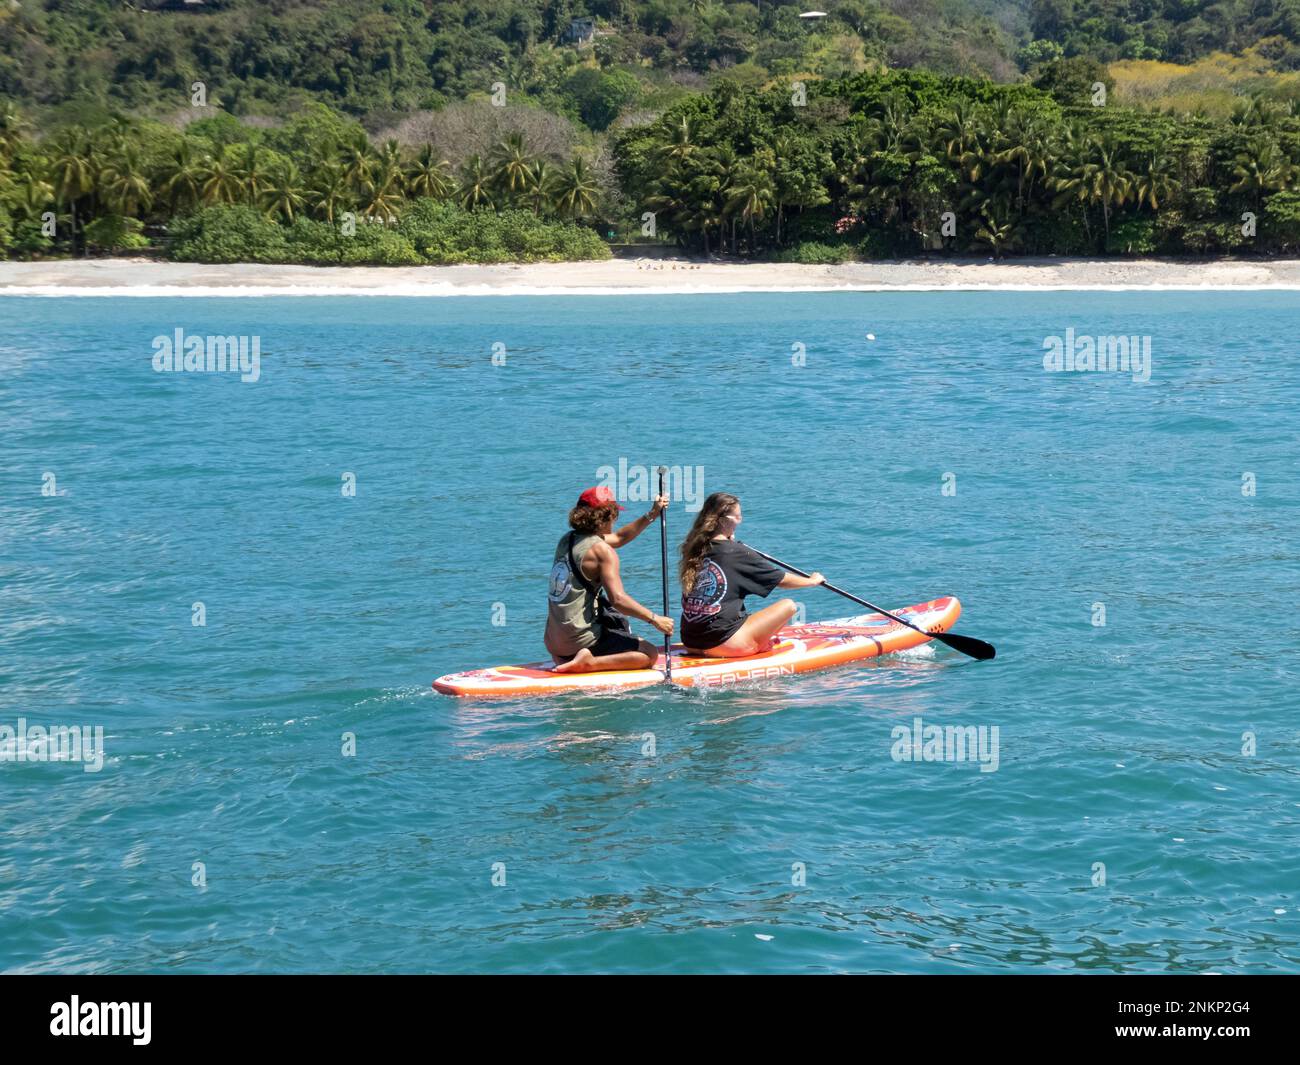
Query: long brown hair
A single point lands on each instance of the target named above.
(696, 544)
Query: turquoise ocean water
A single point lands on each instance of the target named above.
(1144, 812)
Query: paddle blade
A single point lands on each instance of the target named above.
(967, 645)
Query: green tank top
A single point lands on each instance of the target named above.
(571, 606)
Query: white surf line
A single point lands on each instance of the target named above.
(154, 280)
(442, 289)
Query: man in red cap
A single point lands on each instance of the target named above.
(586, 629)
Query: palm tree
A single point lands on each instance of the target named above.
(669, 196)
(35, 193)
(680, 144)
(1098, 177)
(430, 175)
(512, 166)
(792, 182)
(877, 183)
(998, 233)
(283, 195)
(218, 182)
(576, 190)
(1156, 182)
(540, 195)
(475, 184)
(13, 128)
(124, 181)
(248, 163)
(753, 192)
(706, 213)
(958, 131)
(1026, 149)
(713, 187)
(359, 161)
(181, 177)
(384, 200)
(1257, 111)
(887, 130)
(385, 191)
(72, 172)
(1261, 167)
(329, 191)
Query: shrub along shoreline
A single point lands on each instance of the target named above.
(428, 232)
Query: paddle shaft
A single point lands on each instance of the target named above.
(838, 591)
(663, 558)
(967, 645)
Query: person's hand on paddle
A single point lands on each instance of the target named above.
(663, 624)
(624, 536)
(796, 580)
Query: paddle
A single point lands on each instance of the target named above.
(967, 645)
(663, 558)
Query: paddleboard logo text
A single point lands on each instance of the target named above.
(640, 484)
(102, 1018)
(215, 354)
(53, 743)
(722, 680)
(1112, 354)
(946, 743)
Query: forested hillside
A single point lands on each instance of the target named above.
(532, 129)
(364, 56)
(1177, 30)
(369, 55)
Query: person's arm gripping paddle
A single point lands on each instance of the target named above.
(795, 580)
(633, 529)
(967, 645)
(606, 559)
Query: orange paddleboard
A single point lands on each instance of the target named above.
(800, 649)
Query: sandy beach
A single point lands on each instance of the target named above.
(144, 277)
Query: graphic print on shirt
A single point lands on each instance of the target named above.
(561, 581)
(706, 597)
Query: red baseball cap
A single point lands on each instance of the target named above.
(599, 496)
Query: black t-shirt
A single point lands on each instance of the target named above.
(714, 609)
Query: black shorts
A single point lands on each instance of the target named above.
(701, 637)
(609, 643)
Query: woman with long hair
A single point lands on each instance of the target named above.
(717, 573)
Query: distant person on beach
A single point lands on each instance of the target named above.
(586, 629)
(717, 574)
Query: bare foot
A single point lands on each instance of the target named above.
(579, 663)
